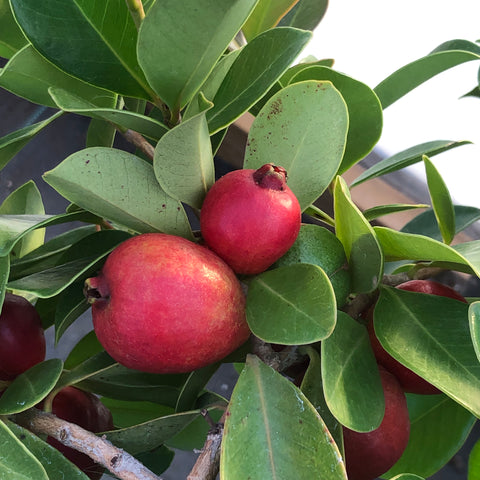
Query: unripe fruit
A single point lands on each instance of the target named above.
(250, 218)
(410, 381)
(22, 339)
(163, 304)
(87, 411)
(370, 454)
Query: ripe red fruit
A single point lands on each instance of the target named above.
(22, 339)
(251, 218)
(410, 381)
(370, 454)
(87, 411)
(163, 304)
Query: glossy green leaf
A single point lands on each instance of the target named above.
(142, 124)
(291, 305)
(55, 463)
(351, 380)
(193, 386)
(183, 161)
(248, 80)
(100, 133)
(445, 56)
(474, 321)
(291, 73)
(201, 29)
(157, 460)
(25, 200)
(359, 240)
(120, 187)
(70, 32)
(406, 158)
(441, 201)
(312, 387)
(80, 260)
(12, 38)
(16, 461)
(364, 112)
(319, 246)
(29, 75)
(265, 16)
(382, 210)
(295, 129)
(306, 14)
(4, 270)
(86, 347)
(407, 476)
(277, 430)
(426, 223)
(438, 428)
(474, 462)
(431, 336)
(12, 143)
(31, 387)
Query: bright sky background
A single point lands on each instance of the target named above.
(371, 39)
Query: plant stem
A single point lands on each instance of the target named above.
(140, 142)
(117, 461)
(136, 10)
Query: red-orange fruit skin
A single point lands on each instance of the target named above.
(371, 454)
(87, 411)
(22, 339)
(248, 225)
(169, 305)
(410, 381)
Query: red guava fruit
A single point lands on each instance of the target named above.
(163, 304)
(250, 218)
(22, 339)
(410, 381)
(87, 411)
(370, 454)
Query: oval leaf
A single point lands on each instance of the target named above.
(275, 444)
(12, 37)
(474, 319)
(474, 462)
(295, 128)
(306, 14)
(291, 305)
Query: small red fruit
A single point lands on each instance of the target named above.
(87, 411)
(22, 339)
(163, 304)
(410, 381)
(250, 218)
(370, 454)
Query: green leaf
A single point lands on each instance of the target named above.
(407, 476)
(80, 260)
(193, 386)
(142, 124)
(248, 80)
(29, 75)
(474, 462)
(193, 34)
(474, 320)
(25, 200)
(12, 38)
(274, 443)
(16, 461)
(70, 33)
(364, 112)
(85, 348)
(31, 387)
(438, 428)
(295, 129)
(406, 158)
(382, 210)
(183, 161)
(12, 143)
(157, 460)
(291, 305)
(120, 187)
(351, 380)
(4, 270)
(319, 246)
(443, 353)
(445, 56)
(426, 223)
(441, 201)
(100, 133)
(359, 240)
(55, 464)
(265, 16)
(306, 14)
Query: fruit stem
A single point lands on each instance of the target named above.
(95, 289)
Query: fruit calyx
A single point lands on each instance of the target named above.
(95, 289)
(270, 176)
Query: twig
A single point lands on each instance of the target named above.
(280, 360)
(140, 142)
(116, 460)
(136, 10)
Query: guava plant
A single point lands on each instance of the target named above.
(171, 77)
